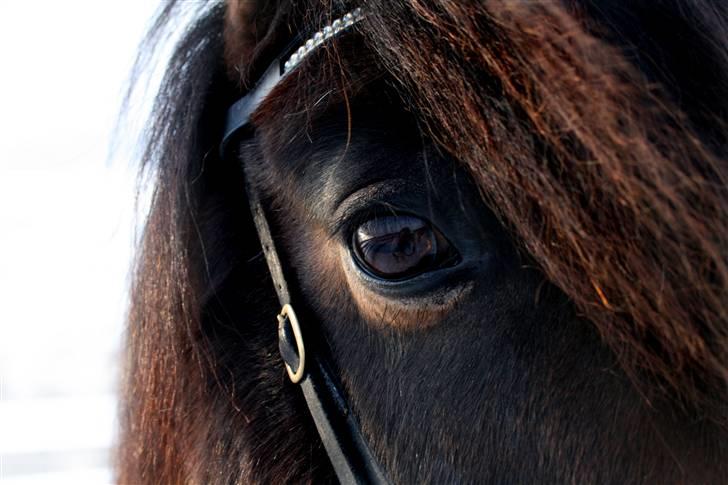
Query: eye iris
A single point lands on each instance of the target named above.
(398, 246)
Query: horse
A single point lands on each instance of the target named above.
(498, 229)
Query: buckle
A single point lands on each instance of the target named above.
(289, 356)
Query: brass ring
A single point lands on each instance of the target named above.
(287, 312)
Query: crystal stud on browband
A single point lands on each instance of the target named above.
(321, 36)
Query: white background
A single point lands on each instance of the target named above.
(67, 219)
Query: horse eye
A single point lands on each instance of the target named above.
(400, 247)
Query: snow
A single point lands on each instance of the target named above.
(67, 229)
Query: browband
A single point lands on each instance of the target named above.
(238, 115)
(349, 453)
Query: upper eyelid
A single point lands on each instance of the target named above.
(372, 199)
(389, 223)
(346, 223)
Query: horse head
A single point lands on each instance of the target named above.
(496, 229)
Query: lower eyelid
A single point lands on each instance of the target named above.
(414, 303)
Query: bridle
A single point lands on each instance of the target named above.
(347, 449)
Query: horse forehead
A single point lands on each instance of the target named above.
(321, 161)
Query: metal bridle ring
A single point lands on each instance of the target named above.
(288, 313)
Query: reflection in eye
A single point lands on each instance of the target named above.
(399, 247)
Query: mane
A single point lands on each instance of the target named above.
(602, 152)
(600, 148)
(183, 408)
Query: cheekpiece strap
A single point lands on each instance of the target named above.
(347, 449)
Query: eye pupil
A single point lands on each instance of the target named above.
(399, 247)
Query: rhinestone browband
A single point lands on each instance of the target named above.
(238, 115)
(321, 36)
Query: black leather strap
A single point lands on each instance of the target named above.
(238, 115)
(349, 453)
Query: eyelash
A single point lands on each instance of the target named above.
(345, 227)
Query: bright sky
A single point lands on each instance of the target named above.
(66, 232)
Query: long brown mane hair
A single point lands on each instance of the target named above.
(610, 175)
(596, 135)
